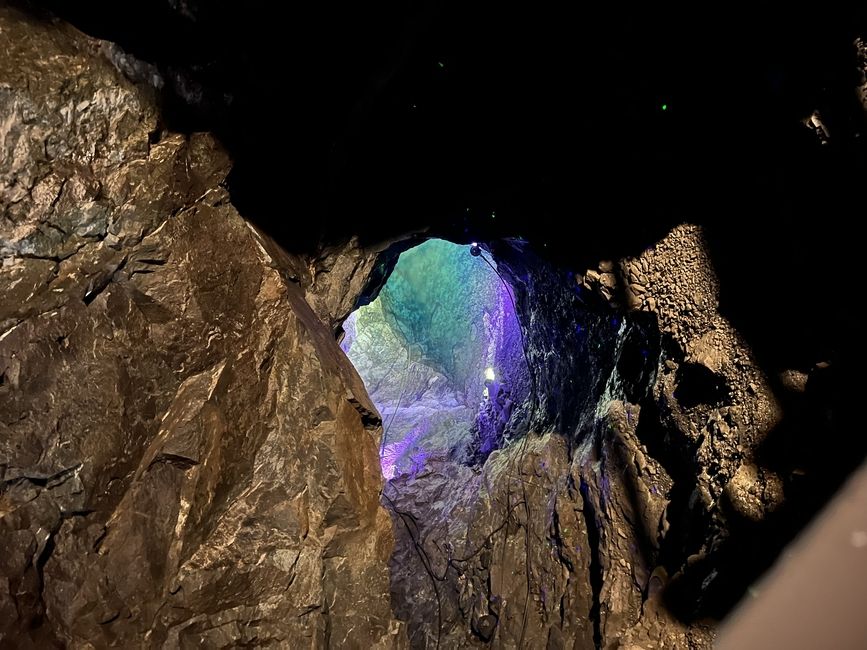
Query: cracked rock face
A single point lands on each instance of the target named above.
(186, 457)
(483, 549)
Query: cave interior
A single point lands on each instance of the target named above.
(595, 271)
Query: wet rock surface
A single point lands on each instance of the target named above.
(186, 457)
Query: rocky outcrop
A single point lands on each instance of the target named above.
(186, 457)
(657, 410)
(494, 556)
(711, 388)
(667, 469)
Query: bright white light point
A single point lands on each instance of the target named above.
(489, 374)
(474, 244)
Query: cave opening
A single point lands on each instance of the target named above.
(599, 434)
(442, 355)
(501, 379)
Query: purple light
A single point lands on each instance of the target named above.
(475, 314)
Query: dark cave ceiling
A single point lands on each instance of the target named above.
(407, 114)
(546, 122)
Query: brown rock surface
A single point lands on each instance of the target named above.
(186, 457)
(663, 501)
(493, 576)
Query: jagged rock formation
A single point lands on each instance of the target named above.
(636, 502)
(186, 457)
(471, 528)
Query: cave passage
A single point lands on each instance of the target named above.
(440, 353)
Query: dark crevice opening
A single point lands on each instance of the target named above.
(596, 576)
(697, 384)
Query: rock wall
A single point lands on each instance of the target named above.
(186, 456)
(674, 469)
(470, 542)
(616, 528)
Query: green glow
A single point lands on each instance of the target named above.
(664, 107)
(434, 302)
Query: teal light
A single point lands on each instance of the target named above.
(435, 301)
(440, 352)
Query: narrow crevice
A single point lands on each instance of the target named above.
(39, 566)
(596, 577)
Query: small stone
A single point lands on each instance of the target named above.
(484, 626)
(794, 380)
(608, 280)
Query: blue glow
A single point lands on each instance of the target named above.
(440, 352)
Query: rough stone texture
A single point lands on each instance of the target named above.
(716, 394)
(335, 278)
(658, 409)
(685, 466)
(186, 457)
(559, 524)
(711, 389)
(506, 549)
